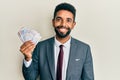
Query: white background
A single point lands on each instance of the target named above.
(98, 24)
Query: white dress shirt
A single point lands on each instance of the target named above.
(66, 49)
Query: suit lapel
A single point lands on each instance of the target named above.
(51, 62)
(72, 55)
(50, 57)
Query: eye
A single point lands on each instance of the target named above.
(69, 20)
(58, 19)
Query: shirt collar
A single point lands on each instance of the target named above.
(66, 44)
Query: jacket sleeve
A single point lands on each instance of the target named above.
(88, 73)
(31, 72)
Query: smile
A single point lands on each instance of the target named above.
(62, 29)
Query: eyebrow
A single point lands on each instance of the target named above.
(58, 17)
(69, 18)
(61, 17)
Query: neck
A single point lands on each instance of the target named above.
(63, 40)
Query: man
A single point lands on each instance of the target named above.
(72, 61)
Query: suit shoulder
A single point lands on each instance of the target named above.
(80, 43)
(46, 41)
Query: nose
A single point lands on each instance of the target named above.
(63, 23)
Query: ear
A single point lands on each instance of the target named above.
(74, 23)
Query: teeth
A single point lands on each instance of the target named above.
(62, 29)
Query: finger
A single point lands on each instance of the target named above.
(28, 42)
(26, 45)
(28, 49)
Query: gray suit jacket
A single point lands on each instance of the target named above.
(80, 65)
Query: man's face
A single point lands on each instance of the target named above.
(63, 23)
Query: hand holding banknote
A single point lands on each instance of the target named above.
(29, 38)
(27, 49)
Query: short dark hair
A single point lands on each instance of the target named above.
(65, 6)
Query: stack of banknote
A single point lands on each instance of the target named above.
(26, 34)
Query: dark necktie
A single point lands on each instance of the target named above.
(59, 64)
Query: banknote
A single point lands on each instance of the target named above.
(26, 34)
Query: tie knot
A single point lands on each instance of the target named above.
(61, 46)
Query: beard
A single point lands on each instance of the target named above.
(60, 34)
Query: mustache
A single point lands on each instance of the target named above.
(58, 27)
